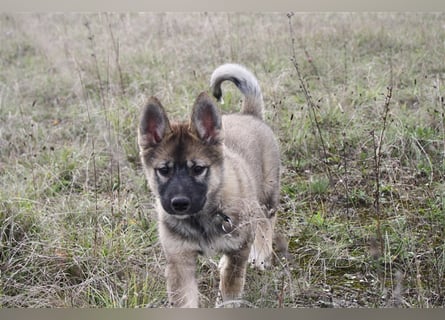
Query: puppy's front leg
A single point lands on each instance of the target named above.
(233, 273)
(182, 288)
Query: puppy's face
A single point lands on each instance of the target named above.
(182, 173)
(182, 161)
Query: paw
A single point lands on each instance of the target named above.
(221, 303)
(260, 258)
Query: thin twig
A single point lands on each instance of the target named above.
(308, 97)
(93, 154)
(115, 43)
(377, 165)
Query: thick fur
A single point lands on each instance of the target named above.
(216, 181)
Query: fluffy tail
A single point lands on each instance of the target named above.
(246, 83)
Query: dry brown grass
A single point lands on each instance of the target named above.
(76, 220)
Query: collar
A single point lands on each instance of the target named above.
(226, 224)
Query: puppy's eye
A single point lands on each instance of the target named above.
(163, 171)
(198, 170)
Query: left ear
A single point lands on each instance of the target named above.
(206, 119)
(154, 124)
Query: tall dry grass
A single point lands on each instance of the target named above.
(363, 177)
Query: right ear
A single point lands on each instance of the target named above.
(154, 124)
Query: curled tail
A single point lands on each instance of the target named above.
(246, 83)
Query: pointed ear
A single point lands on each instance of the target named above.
(206, 119)
(154, 124)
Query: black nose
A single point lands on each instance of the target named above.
(180, 204)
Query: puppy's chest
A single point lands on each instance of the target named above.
(215, 234)
(222, 244)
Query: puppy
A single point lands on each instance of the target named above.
(216, 180)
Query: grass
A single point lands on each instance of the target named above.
(363, 187)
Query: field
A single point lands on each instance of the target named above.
(356, 100)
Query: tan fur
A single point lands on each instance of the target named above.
(238, 217)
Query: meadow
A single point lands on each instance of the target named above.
(355, 99)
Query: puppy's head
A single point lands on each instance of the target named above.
(182, 161)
